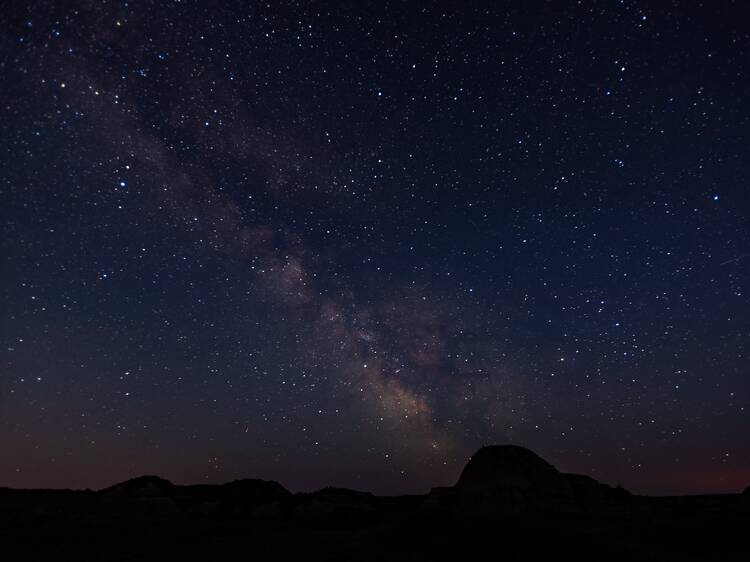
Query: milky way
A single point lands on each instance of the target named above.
(348, 245)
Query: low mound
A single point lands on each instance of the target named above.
(142, 486)
(254, 489)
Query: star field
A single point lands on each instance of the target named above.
(349, 244)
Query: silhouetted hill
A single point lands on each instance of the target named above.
(504, 477)
(142, 486)
(508, 501)
(509, 469)
(250, 487)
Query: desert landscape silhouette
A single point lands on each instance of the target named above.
(508, 504)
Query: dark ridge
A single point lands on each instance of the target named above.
(148, 485)
(252, 486)
(508, 500)
(342, 493)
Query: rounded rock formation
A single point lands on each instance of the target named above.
(509, 470)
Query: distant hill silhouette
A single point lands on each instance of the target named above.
(143, 486)
(508, 501)
(512, 477)
(509, 468)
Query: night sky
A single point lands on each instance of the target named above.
(348, 244)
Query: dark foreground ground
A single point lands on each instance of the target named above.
(506, 508)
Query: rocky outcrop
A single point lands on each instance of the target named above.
(587, 489)
(509, 476)
(511, 470)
